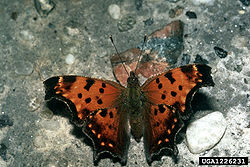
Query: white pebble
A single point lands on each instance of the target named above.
(242, 12)
(208, 2)
(114, 11)
(204, 133)
(73, 31)
(27, 35)
(23, 67)
(70, 59)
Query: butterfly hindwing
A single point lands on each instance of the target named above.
(177, 87)
(161, 125)
(108, 129)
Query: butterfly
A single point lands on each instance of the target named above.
(110, 113)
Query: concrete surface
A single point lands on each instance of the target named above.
(35, 41)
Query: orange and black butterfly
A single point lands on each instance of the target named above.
(155, 110)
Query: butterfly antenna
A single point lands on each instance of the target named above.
(145, 39)
(118, 54)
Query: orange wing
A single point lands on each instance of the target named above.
(82, 95)
(93, 105)
(108, 130)
(177, 87)
(169, 98)
(161, 125)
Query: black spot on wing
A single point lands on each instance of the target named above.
(160, 86)
(90, 82)
(161, 108)
(101, 90)
(170, 77)
(155, 111)
(111, 114)
(103, 113)
(88, 100)
(99, 101)
(79, 95)
(157, 80)
(103, 85)
(173, 93)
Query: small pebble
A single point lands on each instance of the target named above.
(148, 22)
(138, 4)
(126, 23)
(72, 31)
(177, 11)
(191, 15)
(2, 86)
(14, 16)
(52, 26)
(174, 1)
(114, 11)
(3, 151)
(185, 59)
(72, 28)
(221, 53)
(23, 67)
(5, 121)
(34, 104)
(207, 2)
(204, 133)
(26, 35)
(70, 59)
(44, 7)
(242, 12)
(199, 59)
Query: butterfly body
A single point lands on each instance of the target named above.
(136, 101)
(154, 111)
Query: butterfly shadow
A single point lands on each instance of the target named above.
(201, 102)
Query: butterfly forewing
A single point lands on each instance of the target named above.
(177, 87)
(83, 95)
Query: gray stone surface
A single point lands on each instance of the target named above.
(81, 28)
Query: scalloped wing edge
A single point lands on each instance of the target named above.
(175, 151)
